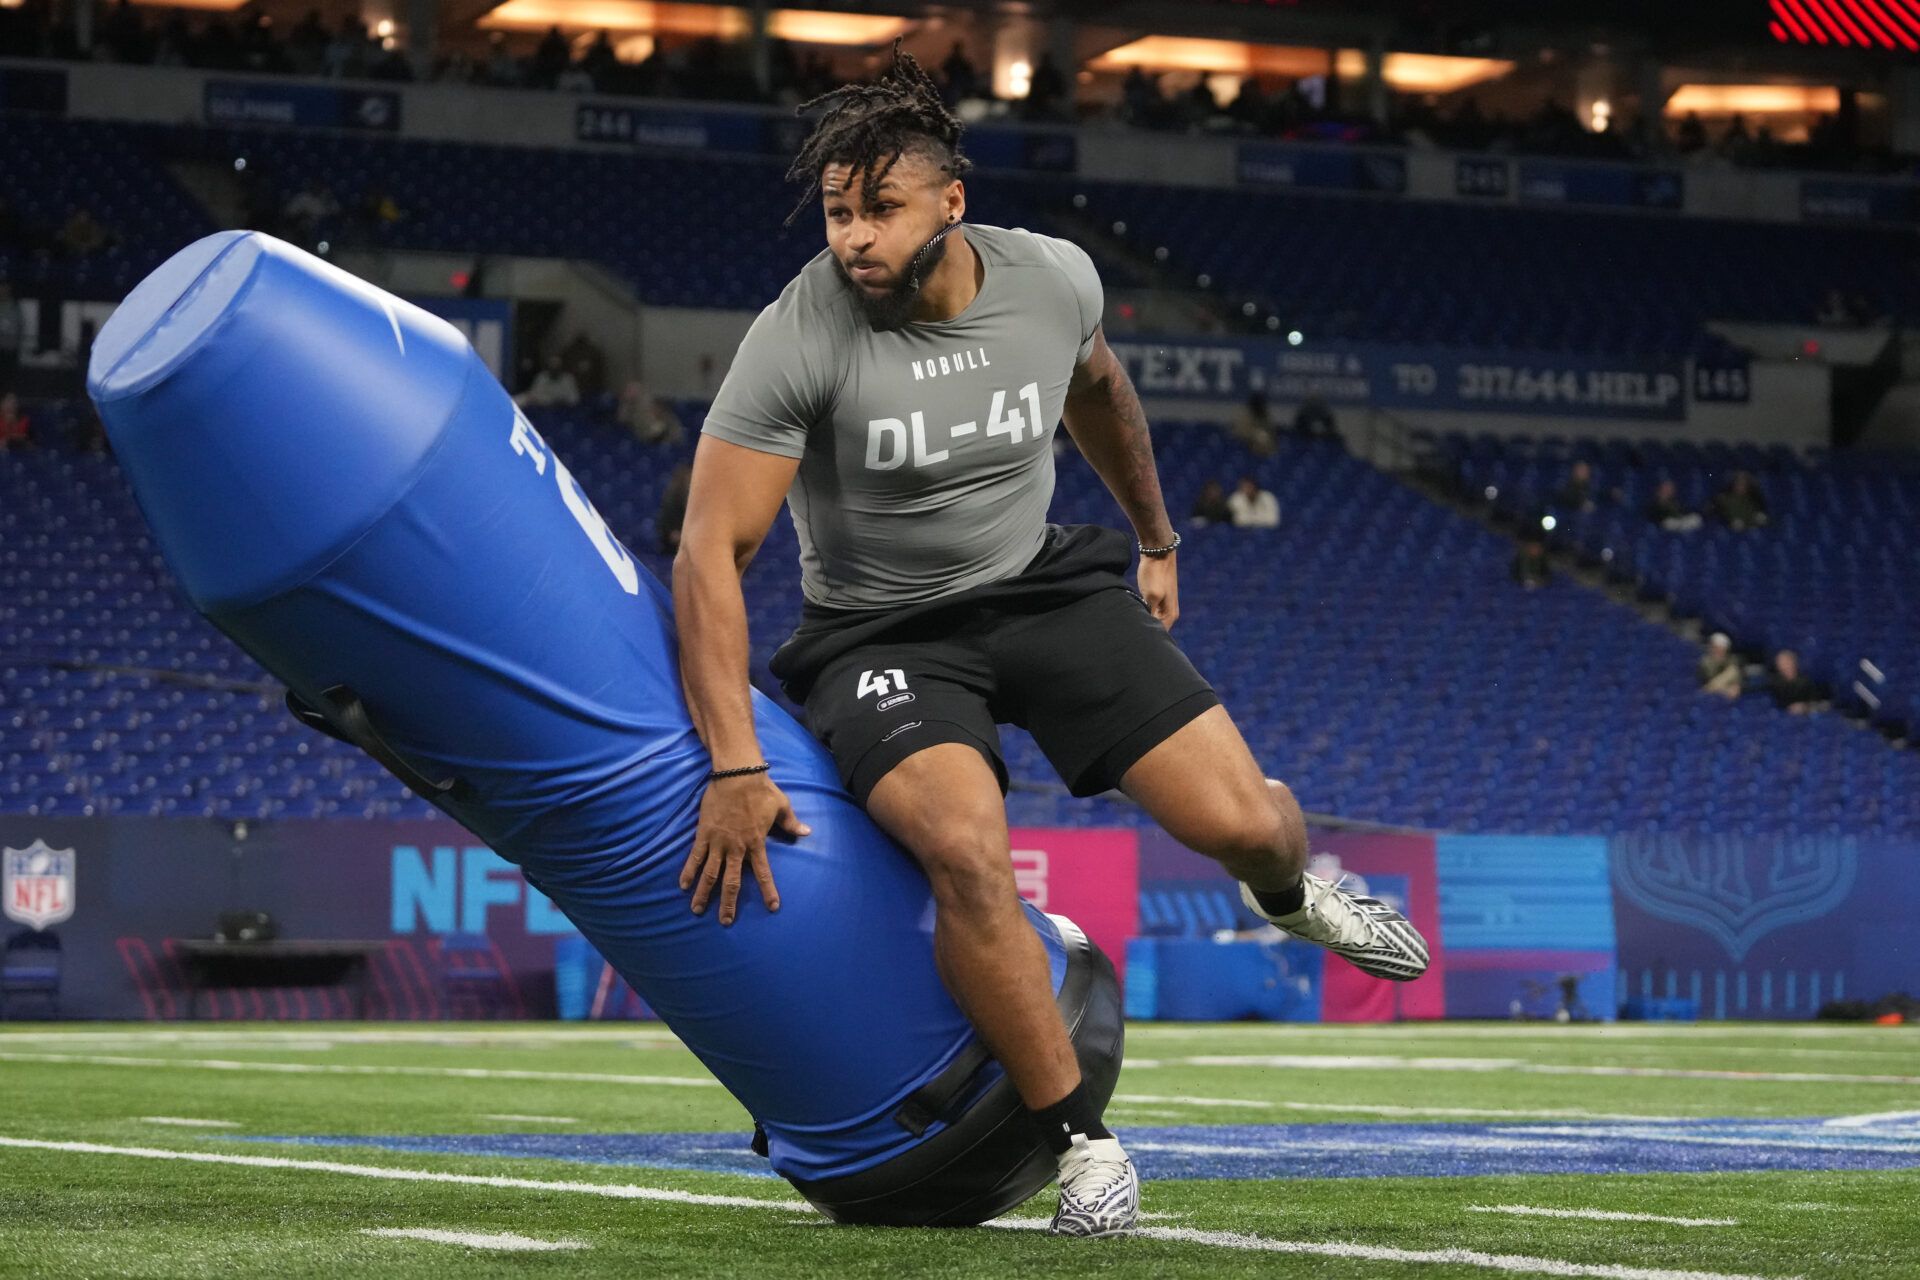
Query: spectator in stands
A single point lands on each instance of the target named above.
(1691, 135)
(1792, 691)
(1719, 670)
(552, 386)
(309, 211)
(307, 44)
(16, 429)
(1200, 105)
(1577, 494)
(503, 69)
(81, 235)
(575, 79)
(1253, 507)
(587, 363)
(673, 509)
(648, 420)
(346, 54)
(12, 334)
(1045, 90)
(1741, 505)
(1314, 418)
(1211, 507)
(962, 77)
(1139, 96)
(1667, 511)
(1253, 425)
(381, 211)
(550, 58)
(1530, 566)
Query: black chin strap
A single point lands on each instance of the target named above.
(919, 259)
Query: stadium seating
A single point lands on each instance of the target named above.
(1830, 576)
(1373, 650)
(708, 233)
(1501, 277)
(55, 166)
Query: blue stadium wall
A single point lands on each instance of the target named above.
(1733, 927)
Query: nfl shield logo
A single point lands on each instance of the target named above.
(36, 884)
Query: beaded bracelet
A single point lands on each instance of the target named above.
(718, 774)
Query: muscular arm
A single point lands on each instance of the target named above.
(735, 495)
(1104, 416)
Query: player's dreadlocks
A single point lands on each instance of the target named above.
(868, 126)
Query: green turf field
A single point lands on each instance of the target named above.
(1257, 1133)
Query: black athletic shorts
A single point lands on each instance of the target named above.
(1064, 649)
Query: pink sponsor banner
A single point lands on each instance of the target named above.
(1091, 877)
(1349, 995)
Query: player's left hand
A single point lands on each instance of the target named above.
(1160, 588)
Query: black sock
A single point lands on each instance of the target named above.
(1073, 1114)
(1281, 902)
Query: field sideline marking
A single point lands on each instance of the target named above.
(353, 1069)
(504, 1240)
(189, 1122)
(1189, 1235)
(1489, 1066)
(533, 1119)
(1703, 1140)
(1598, 1215)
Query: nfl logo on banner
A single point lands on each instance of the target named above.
(36, 884)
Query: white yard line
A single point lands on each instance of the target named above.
(189, 1122)
(1393, 1062)
(1598, 1215)
(505, 1241)
(513, 1119)
(1384, 1109)
(1876, 1118)
(347, 1069)
(1457, 1257)
(611, 1190)
(1186, 1235)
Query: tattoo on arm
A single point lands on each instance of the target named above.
(1104, 416)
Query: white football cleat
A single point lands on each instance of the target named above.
(1099, 1191)
(1377, 939)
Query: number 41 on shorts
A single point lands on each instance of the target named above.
(891, 680)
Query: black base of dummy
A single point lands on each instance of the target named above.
(991, 1158)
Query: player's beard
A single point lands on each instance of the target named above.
(893, 309)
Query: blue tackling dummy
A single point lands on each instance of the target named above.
(341, 487)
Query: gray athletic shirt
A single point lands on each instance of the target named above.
(926, 454)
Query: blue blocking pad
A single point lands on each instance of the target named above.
(342, 487)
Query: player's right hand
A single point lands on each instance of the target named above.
(736, 816)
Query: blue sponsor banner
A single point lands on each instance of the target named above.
(1529, 926)
(1274, 164)
(1619, 186)
(1488, 176)
(647, 126)
(33, 89)
(1392, 377)
(1765, 926)
(301, 106)
(1840, 200)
